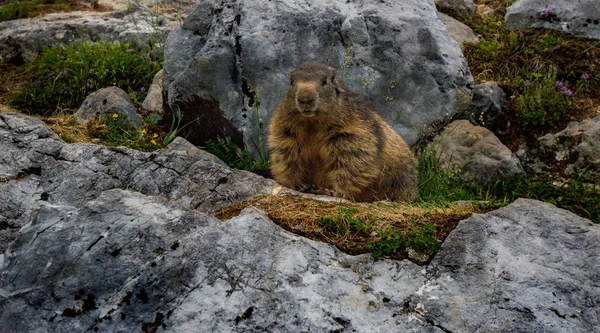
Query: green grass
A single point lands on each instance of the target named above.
(543, 100)
(62, 77)
(419, 238)
(26, 9)
(579, 194)
(233, 156)
(118, 132)
(18, 10)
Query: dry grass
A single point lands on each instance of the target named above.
(303, 216)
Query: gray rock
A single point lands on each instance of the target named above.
(459, 31)
(580, 17)
(154, 99)
(572, 150)
(22, 40)
(527, 267)
(181, 144)
(125, 262)
(237, 56)
(474, 153)
(105, 103)
(486, 107)
(34, 160)
(461, 8)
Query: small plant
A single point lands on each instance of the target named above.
(389, 242)
(115, 131)
(175, 126)
(17, 10)
(419, 238)
(543, 101)
(63, 76)
(344, 222)
(233, 156)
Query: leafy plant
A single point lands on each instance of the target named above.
(233, 156)
(63, 76)
(420, 238)
(17, 10)
(344, 221)
(389, 242)
(115, 131)
(544, 100)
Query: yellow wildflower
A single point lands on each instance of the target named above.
(153, 142)
(115, 116)
(155, 135)
(143, 131)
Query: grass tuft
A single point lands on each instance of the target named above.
(62, 77)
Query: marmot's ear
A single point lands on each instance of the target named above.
(340, 87)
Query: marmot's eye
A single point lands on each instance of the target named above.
(324, 83)
(291, 82)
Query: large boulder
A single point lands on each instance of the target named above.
(580, 17)
(232, 59)
(36, 165)
(486, 107)
(474, 153)
(22, 39)
(105, 103)
(126, 262)
(464, 9)
(575, 149)
(459, 31)
(111, 242)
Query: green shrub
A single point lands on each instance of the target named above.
(543, 100)
(63, 76)
(117, 132)
(17, 10)
(233, 156)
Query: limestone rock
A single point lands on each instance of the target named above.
(124, 262)
(36, 165)
(233, 58)
(572, 150)
(575, 17)
(527, 267)
(462, 8)
(474, 153)
(486, 107)
(105, 103)
(22, 39)
(111, 242)
(154, 100)
(459, 31)
(181, 144)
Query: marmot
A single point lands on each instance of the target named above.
(325, 139)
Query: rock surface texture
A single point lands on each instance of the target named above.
(486, 107)
(105, 103)
(22, 39)
(580, 17)
(154, 100)
(474, 153)
(572, 150)
(36, 165)
(115, 260)
(234, 58)
(461, 8)
(459, 31)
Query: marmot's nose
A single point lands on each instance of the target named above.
(306, 100)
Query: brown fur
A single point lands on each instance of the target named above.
(326, 139)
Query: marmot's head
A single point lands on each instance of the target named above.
(314, 88)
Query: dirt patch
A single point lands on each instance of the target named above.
(308, 217)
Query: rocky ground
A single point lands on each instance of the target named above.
(116, 239)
